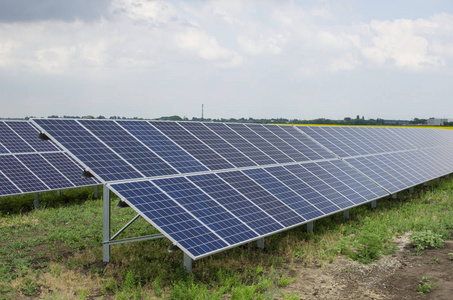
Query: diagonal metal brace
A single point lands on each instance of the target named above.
(124, 227)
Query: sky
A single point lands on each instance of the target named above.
(259, 59)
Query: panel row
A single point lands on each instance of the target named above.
(207, 213)
(120, 150)
(36, 172)
(28, 164)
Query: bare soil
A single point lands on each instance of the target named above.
(391, 277)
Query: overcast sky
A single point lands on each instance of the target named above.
(390, 59)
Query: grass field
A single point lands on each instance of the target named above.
(55, 252)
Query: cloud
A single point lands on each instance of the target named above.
(407, 44)
(42, 10)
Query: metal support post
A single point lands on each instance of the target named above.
(58, 193)
(395, 196)
(106, 225)
(310, 226)
(95, 193)
(260, 243)
(448, 176)
(373, 204)
(346, 213)
(187, 263)
(411, 190)
(36, 200)
(425, 184)
(438, 179)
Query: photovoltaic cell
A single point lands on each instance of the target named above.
(303, 189)
(43, 170)
(30, 135)
(284, 193)
(6, 186)
(169, 217)
(11, 141)
(318, 184)
(255, 193)
(130, 149)
(66, 166)
(3, 149)
(236, 203)
(312, 150)
(295, 143)
(368, 167)
(192, 145)
(163, 146)
(218, 144)
(260, 143)
(88, 149)
(246, 147)
(206, 210)
(325, 139)
(20, 175)
(276, 141)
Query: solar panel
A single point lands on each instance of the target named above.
(218, 144)
(33, 165)
(212, 186)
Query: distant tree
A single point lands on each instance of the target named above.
(172, 118)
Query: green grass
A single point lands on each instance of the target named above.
(56, 252)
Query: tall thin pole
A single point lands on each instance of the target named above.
(202, 111)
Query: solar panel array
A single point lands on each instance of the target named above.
(395, 158)
(212, 186)
(28, 164)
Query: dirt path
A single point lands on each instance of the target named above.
(392, 277)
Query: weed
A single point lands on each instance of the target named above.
(425, 286)
(285, 281)
(433, 261)
(450, 256)
(426, 239)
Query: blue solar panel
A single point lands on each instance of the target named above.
(304, 190)
(341, 183)
(311, 149)
(236, 203)
(264, 132)
(206, 210)
(3, 149)
(129, 148)
(44, 171)
(163, 146)
(192, 145)
(284, 193)
(302, 148)
(67, 168)
(391, 163)
(11, 141)
(357, 142)
(30, 135)
(88, 149)
(217, 144)
(368, 167)
(241, 144)
(170, 218)
(318, 184)
(20, 175)
(385, 137)
(355, 180)
(7, 187)
(260, 143)
(328, 141)
(255, 193)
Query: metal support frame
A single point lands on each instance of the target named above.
(373, 204)
(95, 193)
(438, 179)
(411, 190)
(260, 243)
(108, 240)
(36, 203)
(395, 196)
(425, 184)
(448, 176)
(310, 226)
(346, 213)
(58, 193)
(106, 225)
(187, 263)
